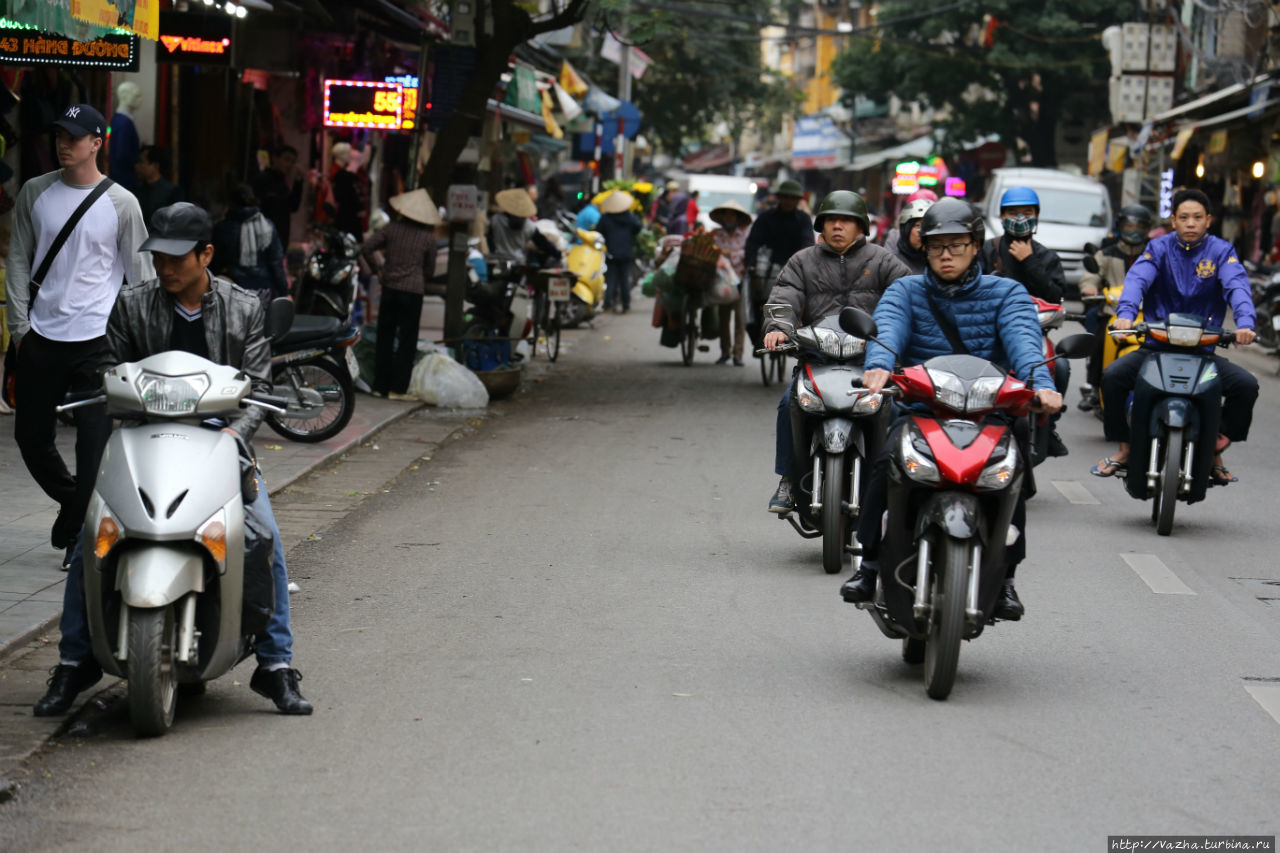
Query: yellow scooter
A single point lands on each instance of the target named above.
(1113, 346)
(586, 261)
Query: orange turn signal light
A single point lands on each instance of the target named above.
(214, 537)
(108, 535)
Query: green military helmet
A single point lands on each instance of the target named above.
(844, 203)
(790, 188)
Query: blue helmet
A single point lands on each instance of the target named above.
(1020, 197)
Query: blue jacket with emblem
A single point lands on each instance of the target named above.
(1174, 277)
(995, 317)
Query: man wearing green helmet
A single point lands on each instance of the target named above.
(844, 269)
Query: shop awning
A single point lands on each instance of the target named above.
(913, 150)
(1209, 100)
(1242, 112)
(534, 121)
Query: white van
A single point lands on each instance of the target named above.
(715, 190)
(1074, 210)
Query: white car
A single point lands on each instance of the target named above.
(1074, 210)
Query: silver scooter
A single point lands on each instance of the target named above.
(169, 597)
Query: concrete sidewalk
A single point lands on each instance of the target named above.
(31, 579)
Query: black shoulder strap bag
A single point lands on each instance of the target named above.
(10, 355)
(947, 326)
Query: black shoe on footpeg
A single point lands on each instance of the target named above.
(861, 587)
(1009, 606)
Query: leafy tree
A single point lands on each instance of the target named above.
(706, 67)
(1001, 66)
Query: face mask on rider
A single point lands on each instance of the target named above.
(1019, 226)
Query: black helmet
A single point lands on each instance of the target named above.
(843, 203)
(1139, 222)
(952, 216)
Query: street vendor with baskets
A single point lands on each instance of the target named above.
(844, 269)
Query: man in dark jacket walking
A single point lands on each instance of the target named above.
(776, 235)
(619, 227)
(819, 281)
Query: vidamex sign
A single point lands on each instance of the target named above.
(363, 103)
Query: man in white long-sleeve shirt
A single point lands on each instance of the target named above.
(60, 330)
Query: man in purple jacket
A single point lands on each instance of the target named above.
(1189, 272)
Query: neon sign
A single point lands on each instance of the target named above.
(410, 89)
(956, 187)
(363, 103)
(180, 44)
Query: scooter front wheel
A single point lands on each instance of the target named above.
(153, 688)
(321, 399)
(1166, 497)
(946, 624)
(834, 520)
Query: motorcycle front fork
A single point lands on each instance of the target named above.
(1184, 472)
(855, 474)
(922, 608)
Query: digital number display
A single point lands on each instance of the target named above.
(362, 103)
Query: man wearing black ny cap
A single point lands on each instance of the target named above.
(188, 308)
(58, 317)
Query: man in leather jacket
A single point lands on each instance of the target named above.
(844, 269)
(188, 308)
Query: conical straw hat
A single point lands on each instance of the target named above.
(729, 210)
(619, 201)
(418, 206)
(516, 202)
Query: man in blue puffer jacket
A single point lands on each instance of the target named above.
(992, 318)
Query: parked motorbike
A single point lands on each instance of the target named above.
(309, 371)
(170, 595)
(499, 305)
(954, 479)
(330, 275)
(586, 260)
(1174, 415)
(838, 429)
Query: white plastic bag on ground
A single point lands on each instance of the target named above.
(440, 381)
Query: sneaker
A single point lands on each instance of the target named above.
(724, 359)
(782, 502)
(1089, 402)
(66, 559)
(737, 362)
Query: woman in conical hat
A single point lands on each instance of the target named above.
(731, 237)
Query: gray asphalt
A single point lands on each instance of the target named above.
(578, 629)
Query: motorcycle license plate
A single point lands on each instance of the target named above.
(1275, 322)
(558, 289)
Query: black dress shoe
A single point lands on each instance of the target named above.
(1009, 606)
(1057, 447)
(860, 587)
(281, 687)
(63, 535)
(65, 683)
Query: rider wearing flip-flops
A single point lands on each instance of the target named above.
(1186, 271)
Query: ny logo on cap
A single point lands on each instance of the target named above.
(73, 112)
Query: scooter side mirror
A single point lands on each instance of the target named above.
(1090, 249)
(1090, 263)
(1075, 346)
(858, 323)
(279, 318)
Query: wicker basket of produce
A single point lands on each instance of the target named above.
(696, 268)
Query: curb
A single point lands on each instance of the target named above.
(36, 630)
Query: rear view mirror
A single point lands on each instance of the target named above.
(1090, 264)
(858, 323)
(1090, 249)
(1075, 346)
(782, 315)
(279, 318)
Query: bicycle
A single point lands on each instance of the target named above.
(551, 291)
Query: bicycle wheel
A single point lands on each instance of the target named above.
(689, 335)
(766, 369)
(553, 337)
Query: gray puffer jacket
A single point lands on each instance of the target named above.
(818, 281)
(141, 324)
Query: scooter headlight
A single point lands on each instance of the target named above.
(1184, 336)
(315, 267)
(809, 399)
(868, 404)
(983, 392)
(213, 535)
(171, 395)
(108, 534)
(916, 459)
(948, 389)
(999, 474)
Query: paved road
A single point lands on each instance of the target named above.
(579, 629)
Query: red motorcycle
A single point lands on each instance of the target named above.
(954, 479)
